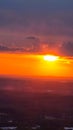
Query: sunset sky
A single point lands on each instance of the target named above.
(32, 29)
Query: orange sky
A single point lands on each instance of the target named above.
(23, 65)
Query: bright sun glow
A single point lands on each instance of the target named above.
(50, 58)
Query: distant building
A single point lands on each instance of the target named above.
(68, 128)
(8, 128)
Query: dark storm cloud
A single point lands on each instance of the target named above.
(4, 48)
(36, 19)
(8, 49)
(29, 44)
(67, 48)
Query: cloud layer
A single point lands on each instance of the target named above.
(36, 26)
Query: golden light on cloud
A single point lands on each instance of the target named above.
(30, 65)
(51, 58)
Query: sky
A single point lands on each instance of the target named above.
(35, 27)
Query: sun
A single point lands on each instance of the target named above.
(50, 58)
